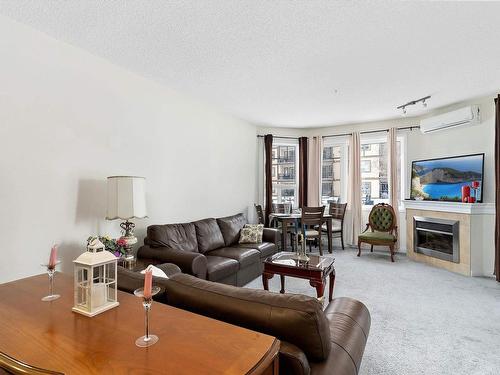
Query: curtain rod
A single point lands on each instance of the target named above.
(345, 134)
(373, 131)
(277, 136)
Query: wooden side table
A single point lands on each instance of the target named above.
(316, 271)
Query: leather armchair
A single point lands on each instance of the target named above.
(189, 262)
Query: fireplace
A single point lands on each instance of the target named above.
(437, 238)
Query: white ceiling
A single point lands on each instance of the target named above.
(290, 63)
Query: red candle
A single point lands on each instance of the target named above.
(465, 193)
(148, 282)
(53, 257)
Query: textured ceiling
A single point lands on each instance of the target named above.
(289, 63)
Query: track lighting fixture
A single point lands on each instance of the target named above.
(413, 102)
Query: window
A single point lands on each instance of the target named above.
(366, 166)
(333, 171)
(284, 178)
(327, 171)
(366, 188)
(374, 178)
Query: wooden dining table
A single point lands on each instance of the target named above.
(295, 219)
(50, 336)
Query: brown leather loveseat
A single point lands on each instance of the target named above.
(209, 249)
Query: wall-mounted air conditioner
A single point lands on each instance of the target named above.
(469, 115)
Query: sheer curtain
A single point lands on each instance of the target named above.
(314, 172)
(392, 151)
(354, 189)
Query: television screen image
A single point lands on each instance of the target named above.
(443, 179)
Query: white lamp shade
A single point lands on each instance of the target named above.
(126, 197)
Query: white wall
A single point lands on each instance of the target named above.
(458, 141)
(69, 119)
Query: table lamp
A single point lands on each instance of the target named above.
(126, 200)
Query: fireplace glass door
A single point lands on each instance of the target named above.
(437, 238)
(435, 241)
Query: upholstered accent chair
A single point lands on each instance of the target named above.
(384, 231)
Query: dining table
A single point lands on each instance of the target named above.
(295, 218)
(49, 335)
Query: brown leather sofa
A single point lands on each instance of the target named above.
(209, 249)
(313, 341)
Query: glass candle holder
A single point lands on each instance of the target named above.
(148, 339)
(51, 272)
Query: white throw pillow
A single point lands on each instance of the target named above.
(156, 272)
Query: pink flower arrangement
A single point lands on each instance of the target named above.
(117, 247)
(121, 242)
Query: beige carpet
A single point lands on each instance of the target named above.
(424, 320)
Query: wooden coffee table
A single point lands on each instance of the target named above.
(316, 271)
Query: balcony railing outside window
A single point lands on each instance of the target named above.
(330, 176)
(286, 177)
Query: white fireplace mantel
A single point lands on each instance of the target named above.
(476, 234)
(457, 207)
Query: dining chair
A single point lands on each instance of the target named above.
(384, 231)
(337, 212)
(311, 222)
(281, 208)
(284, 208)
(260, 214)
(12, 366)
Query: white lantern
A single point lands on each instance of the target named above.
(95, 280)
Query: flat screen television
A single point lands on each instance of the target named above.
(442, 179)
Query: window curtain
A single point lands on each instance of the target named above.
(354, 190)
(314, 172)
(392, 144)
(268, 150)
(303, 172)
(497, 188)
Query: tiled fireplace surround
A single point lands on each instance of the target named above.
(475, 234)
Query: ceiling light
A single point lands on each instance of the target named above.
(413, 102)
